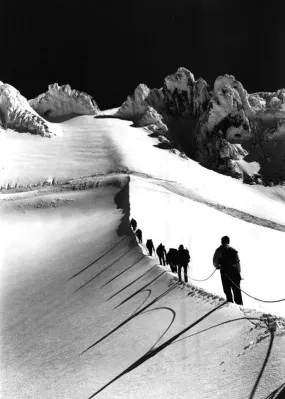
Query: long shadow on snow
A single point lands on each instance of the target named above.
(118, 292)
(96, 260)
(280, 392)
(106, 268)
(118, 275)
(121, 199)
(138, 291)
(151, 353)
(130, 317)
(263, 366)
(217, 325)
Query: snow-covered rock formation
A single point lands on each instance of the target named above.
(16, 113)
(153, 120)
(180, 96)
(183, 95)
(62, 100)
(225, 129)
(255, 121)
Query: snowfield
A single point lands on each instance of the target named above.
(85, 313)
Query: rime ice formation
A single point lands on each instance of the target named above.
(17, 114)
(225, 126)
(256, 121)
(62, 100)
(180, 96)
(153, 120)
(183, 95)
(141, 109)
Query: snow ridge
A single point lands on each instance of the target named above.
(62, 100)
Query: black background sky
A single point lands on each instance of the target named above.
(106, 48)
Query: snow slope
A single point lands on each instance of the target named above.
(50, 234)
(85, 314)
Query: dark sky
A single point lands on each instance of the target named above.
(106, 48)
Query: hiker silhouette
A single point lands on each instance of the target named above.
(226, 259)
(150, 246)
(134, 224)
(161, 253)
(139, 235)
(183, 258)
(171, 259)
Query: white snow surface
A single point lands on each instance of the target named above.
(180, 343)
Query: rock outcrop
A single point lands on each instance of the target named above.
(180, 95)
(16, 113)
(62, 100)
(226, 128)
(153, 120)
(255, 121)
(183, 96)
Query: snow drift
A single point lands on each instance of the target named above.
(62, 100)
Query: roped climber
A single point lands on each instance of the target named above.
(227, 260)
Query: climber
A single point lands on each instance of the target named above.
(183, 258)
(227, 260)
(161, 253)
(150, 246)
(171, 259)
(134, 224)
(139, 235)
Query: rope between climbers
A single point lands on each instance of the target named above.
(205, 279)
(257, 299)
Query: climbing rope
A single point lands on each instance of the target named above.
(257, 299)
(205, 279)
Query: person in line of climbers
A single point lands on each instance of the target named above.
(171, 259)
(150, 246)
(134, 224)
(161, 253)
(139, 235)
(183, 258)
(227, 260)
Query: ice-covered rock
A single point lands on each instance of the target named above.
(153, 120)
(255, 121)
(62, 100)
(183, 95)
(16, 113)
(180, 95)
(136, 104)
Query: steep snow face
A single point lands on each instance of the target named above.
(17, 114)
(62, 100)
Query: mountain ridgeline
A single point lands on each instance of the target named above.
(222, 127)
